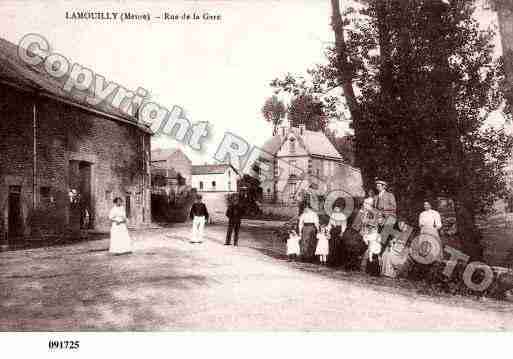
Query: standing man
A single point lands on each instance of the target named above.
(199, 216)
(385, 201)
(234, 214)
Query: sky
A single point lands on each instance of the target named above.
(217, 71)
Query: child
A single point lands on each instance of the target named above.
(322, 249)
(373, 240)
(293, 245)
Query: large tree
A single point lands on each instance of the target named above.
(307, 110)
(425, 94)
(418, 78)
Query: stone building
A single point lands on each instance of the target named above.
(53, 143)
(174, 161)
(305, 161)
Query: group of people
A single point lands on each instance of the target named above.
(199, 216)
(120, 242)
(384, 252)
(315, 240)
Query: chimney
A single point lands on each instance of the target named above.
(302, 129)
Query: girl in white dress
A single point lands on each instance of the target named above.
(120, 242)
(293, 249)
(322, 249)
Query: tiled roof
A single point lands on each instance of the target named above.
(162, 154)
(209, 169)
(272, 145)
(316, 143)
(14, 71)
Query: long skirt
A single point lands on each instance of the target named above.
(373, 265)
(120, 242)
(353, 247)
(336, 256)
(308, 242)
(393, 262)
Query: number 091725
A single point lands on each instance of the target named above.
(63, 344)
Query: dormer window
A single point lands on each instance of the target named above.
(292, 145)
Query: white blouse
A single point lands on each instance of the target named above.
(117, 214)
(308, 216)
(430, 219)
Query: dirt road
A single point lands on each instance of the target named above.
(170, 284)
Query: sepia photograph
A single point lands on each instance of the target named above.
(255, 166)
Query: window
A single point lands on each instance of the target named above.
(46, 194)
(318, 172)
(108, 196)
(293, 167)
(229, 185)
(201, 185)
(214, 185)
(292, 191)
(128, 206)
(509, 204)
(310, 171)
(292, 145)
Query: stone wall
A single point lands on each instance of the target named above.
(114, 151)
(279, 209)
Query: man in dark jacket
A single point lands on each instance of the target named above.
(199, 216)
(234, 214)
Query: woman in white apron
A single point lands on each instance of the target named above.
(120, 242)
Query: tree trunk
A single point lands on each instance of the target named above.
(345, 77)
(505, 16)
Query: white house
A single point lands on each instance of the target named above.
(303, 160)
(214, 178)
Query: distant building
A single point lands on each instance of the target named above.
(54, 144)
(174, 161)
(305, 161)
(214, 178)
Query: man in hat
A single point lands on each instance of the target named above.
(385, 201)
(234, 214)
(199, 216)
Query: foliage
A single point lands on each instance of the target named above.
(307, 110)
(424, 101)
(425, 80)
(343, 144)
(274, 111)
